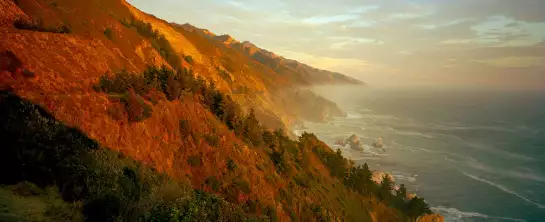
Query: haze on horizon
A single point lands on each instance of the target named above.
(465, 43)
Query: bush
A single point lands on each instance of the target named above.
(185, 128)
(108, 33)
(213, 183)
(188, 59)
(110, 187)
(305, 180)
(158, 41)
(270, 211)
(194, 161)
(242, 185)
(125, 22)
(231, 165)
(417, 206)
(137, 109)
(46, 205)
(212, 140)
(37, 25)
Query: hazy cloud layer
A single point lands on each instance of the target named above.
(493, 43)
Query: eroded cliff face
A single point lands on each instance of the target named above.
(67, 67)
(431, 218)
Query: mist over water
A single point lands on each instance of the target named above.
(474, 155)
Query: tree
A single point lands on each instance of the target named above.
(401, 192)
(359, 179)
(417, 206)
(385, 189)
(251, 129)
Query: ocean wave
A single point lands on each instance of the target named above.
(505, 189)
(412, 133)
(453, 214)
(527, 175)
(403, 177)
(353, 116)
(505, 153)
(465, 127)
(495, 128)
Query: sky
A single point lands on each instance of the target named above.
(458, 43)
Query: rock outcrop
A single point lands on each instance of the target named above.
(355, 142)
(378, 143)
(430, 218)
(377, 176)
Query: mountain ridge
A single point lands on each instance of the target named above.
(186, 108)
(271, 59)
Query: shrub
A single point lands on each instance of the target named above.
(185, 128)
(270, 211)
(64, 29)
(194, 161)
(212, 140)
(231, 165)
(242, 185)
(122, 82)
(137, 109)
(26, 189)
(33, 25)
(46, 205)
(417, 206)
(110, 187)
(108, 33)
(158, 41)
(213, 183)
(125, 22)
(188, 59)
(305, 180)
(37, 25)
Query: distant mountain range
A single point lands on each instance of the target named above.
(304, 73)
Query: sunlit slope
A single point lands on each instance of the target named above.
(62, 72)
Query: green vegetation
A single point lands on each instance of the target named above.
(109, 33)
(213, 183)
(231, 165)
(212, 140)
(38, 26)
(27, 202)
(158, 41)
(188, 59)
(290, 158)
(125, 22)
(137, 109)
(185, 129)
(194, 161)
(102, 184)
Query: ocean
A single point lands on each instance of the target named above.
(474, 155)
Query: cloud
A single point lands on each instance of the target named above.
(492, 42)
(404, 52)
(515, 62)
(330, 19)
(344, 41)
(326, 63)
(349, 15)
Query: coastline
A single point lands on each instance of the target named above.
(377, 177)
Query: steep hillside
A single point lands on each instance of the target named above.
(127, 117)
(302, 72)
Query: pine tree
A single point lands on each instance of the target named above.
(385, 190)
(401, 192)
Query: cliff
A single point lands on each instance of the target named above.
(130, 116)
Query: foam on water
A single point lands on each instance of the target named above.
(505, 189)
(453, 214)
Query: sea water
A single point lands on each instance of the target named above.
(474, 155)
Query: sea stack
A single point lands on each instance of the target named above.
(378, 143)
(355, 142)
